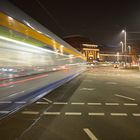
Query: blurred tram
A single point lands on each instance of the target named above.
(27, 47)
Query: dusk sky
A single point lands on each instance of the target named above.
(102, 21)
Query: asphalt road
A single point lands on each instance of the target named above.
(101, 104)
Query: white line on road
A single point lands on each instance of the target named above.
(73, 113)
(49, 101)
(130, 104)
(74, 103)
(90, 89)
(136, 114)
(21, 102)
(87, 80)
(111, 83)
(4, 112)
(118, 114)
(14, 94)
(51, 113)
(42, 103)
(96, 114)
(5, 102)
(60, 103)
(112, 104)
(94, 103)
(90, 134)
(30, 112)
(124, 97)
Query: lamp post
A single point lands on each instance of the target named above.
(122, 46)
(124, 31)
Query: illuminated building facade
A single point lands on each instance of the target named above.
(85, 46)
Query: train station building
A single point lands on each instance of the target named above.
(87, 47)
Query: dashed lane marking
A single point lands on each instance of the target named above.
(21, 102)
(30, 112)
(42, 103)
(60, 103)
(90, 134)
(14, 94)
(125, 97)
(94, 103)
(111, 83)
(49, 101)
(73, 113)
(118, 114)
(130, 104)
(5, 102)
(76, 103)
(4, 112)
(96, 114)
(87, 80)
(112, 104)
(51, 113)
(136, 114)
(87, 89)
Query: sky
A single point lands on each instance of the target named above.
(100, 20)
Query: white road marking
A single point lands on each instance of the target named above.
(111, 83)
(87, 80)
(118, 114)
(130, 104)
(136, 114)
(124, 97)
(21, 102)
(76, 103)
(5, 102)
(90, 134)
(49, 101)
(4, 112)
(94, 103)
(112, 104)
(42, 103)
(73, 113)
(30, 112)
(60, 103)
(96, 114)
(14, 94)
(11, 86)
(51, 113)
(138, 87)
(89, 89)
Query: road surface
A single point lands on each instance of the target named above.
(100, 104)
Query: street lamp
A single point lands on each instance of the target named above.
(121, 45)
(124, 31)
